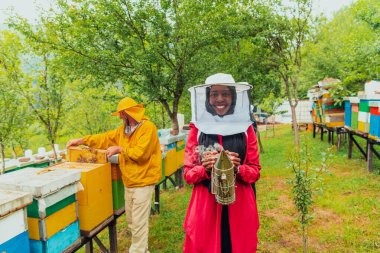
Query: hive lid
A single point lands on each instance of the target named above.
(75, 166)
(374, 104)
(38, 182)
(351, 99)
(11, 201)
(370, 96)
(172, 138)
(354, 100)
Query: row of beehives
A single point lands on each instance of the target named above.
(362, 114)
(324, 109)
(47, 209)
(39, 160)
(354, 113)
(173, 151)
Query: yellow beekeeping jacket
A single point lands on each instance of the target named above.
(140, 160)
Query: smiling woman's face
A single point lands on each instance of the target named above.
(220, 99)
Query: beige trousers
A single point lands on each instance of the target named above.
(137, 210)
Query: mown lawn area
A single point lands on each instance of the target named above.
(347, 214)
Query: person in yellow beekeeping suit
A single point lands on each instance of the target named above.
(138, 146)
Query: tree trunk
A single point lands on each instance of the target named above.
(174, 121)
(54, 152)
(21, 148)
(14, 152)
(2, 158)
(163, 116)
(304, 239)
(52, 142)
(295, 126)
(172, 115)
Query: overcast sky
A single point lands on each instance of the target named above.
(29, 8)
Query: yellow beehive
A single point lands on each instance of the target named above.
(334, 124)
(361, 126)
(180, 155)
(95, 201)
(52, 224)
(170, 162)
(87, 155)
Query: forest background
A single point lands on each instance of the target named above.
(62, 76)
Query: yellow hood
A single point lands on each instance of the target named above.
(131, 107)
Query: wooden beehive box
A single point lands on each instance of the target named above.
(95, 201)
(13, 222)
(374, 129)
(53, 215)
(87, 155)
(364, 123)
(180, 154)
(117, 189)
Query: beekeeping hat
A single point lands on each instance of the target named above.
(131, 107)
(236, 120)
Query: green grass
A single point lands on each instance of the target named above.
(347, 214)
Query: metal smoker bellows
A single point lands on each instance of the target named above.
(223, 180)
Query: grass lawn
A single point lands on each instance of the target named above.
(347, 214)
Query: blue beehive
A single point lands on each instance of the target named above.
(374, 128)
(13, 223)
(59, 241)
(347, 112)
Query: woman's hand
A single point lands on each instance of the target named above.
(234, 157)
(208, 159)
(113, 150)
(74, 142)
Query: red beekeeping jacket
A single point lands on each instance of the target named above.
(203, 218)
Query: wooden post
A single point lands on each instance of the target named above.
(179, 177)
(322, 130)
(314, 128)
(339, 139)
(328, 136)
(367, 146)
(100, 244)
(369, 155)
(350, 142)
(89, 246)
(157, 198)
(113, 236)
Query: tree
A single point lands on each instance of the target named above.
(44, 89)
(291, 29)
(11, 109)
(8, 112)
(346, 47)
(150, 47)
(307, 182)
(90, 114)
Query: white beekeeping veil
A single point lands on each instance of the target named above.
(236, 120)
